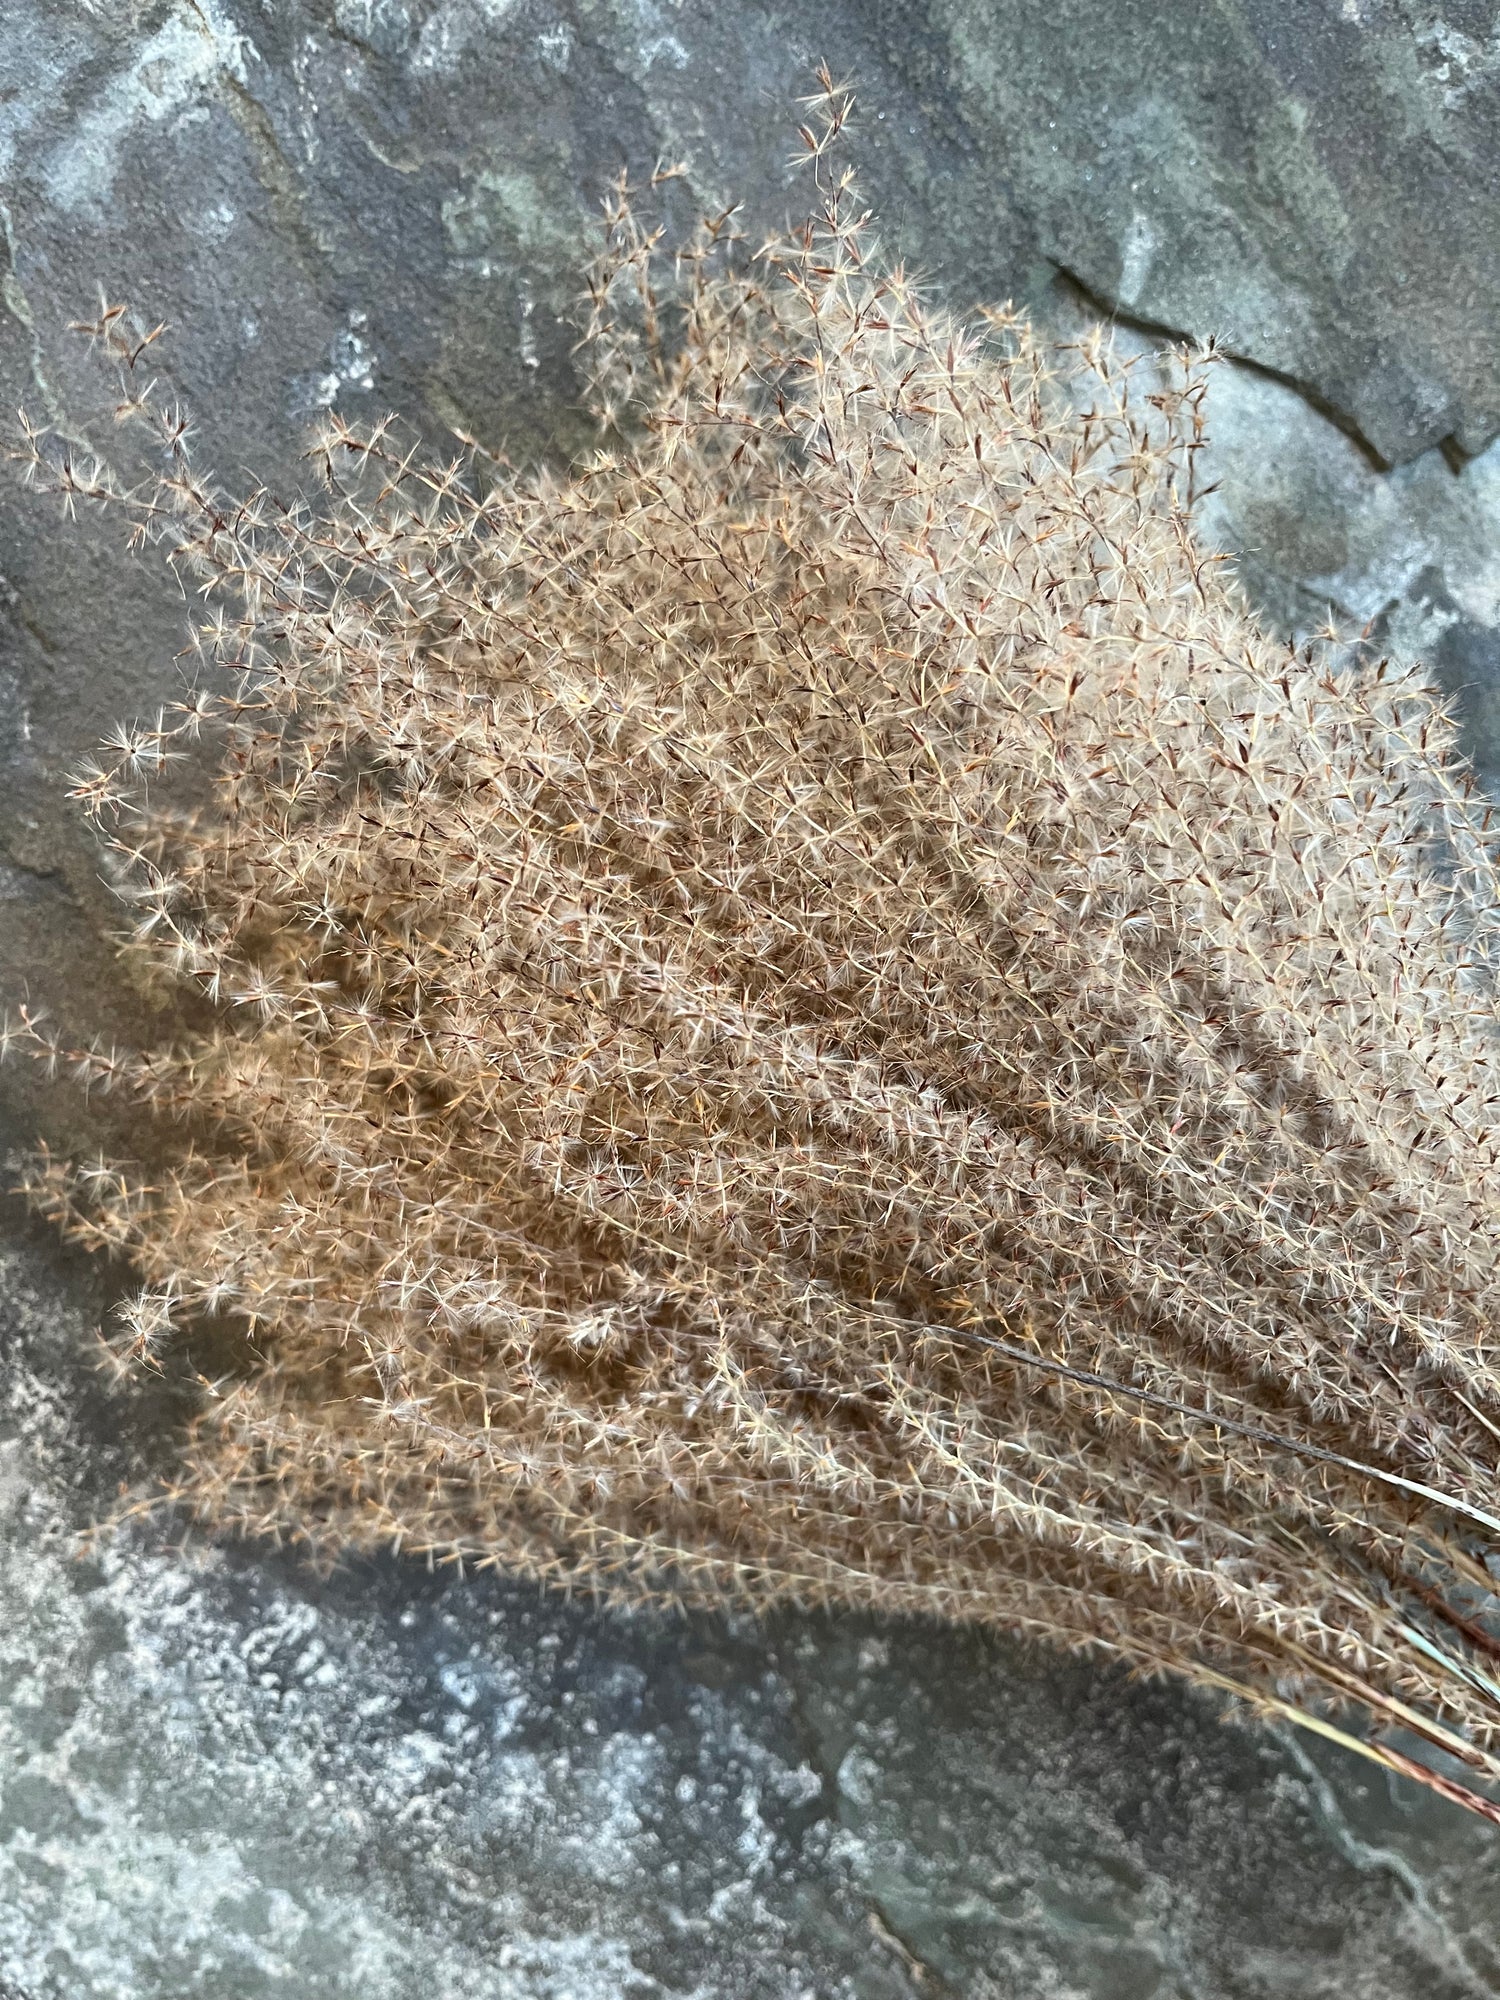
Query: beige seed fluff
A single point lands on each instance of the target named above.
(811, 1011)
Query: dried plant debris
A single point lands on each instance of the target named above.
(811, 1011)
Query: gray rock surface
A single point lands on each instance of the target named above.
(1315, 181)
(223, 1776)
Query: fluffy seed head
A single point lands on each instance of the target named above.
(811, 1011)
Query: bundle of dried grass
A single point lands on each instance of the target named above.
(812, 1012)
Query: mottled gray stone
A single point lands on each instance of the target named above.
(1315, 181)
(221, 1775)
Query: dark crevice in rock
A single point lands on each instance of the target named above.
(1102, 307)
(278, 175)
(1455, 455)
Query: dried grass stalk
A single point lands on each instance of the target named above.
(812, 1011)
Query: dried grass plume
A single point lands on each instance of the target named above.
(812, 1011)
